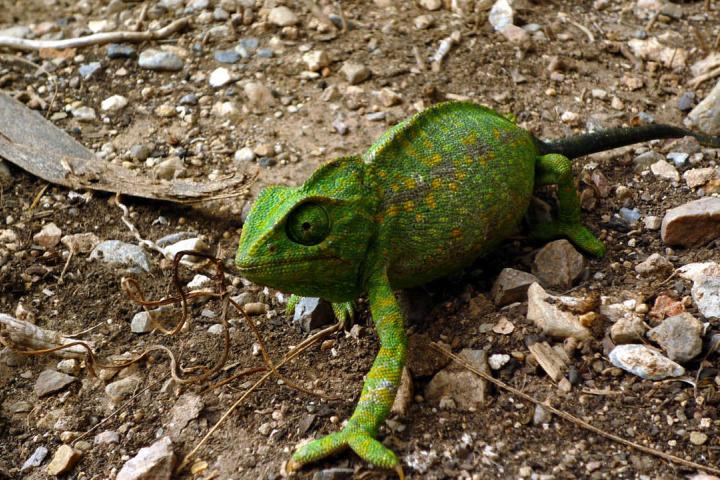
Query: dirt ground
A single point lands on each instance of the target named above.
(291, 133)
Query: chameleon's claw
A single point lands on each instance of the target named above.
(399, 471)
(292, 466)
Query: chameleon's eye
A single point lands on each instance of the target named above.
(308, 224)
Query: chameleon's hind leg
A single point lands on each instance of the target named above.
(555, 169)
(344, 311)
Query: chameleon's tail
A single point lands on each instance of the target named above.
(579, 145)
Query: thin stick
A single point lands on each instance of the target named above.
(694, 82)
(700, 40)
(585, 30)
(652, 21)
(572, 419)
(294, 353)
(95, 39)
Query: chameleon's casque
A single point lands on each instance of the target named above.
(432, 194)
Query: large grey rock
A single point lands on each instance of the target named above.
(706, 295)
(644, 362)
(511, 286)
(311, 313)
(544, 310)
(558, 265)
(693, 224)
(455, 384)
(187, 407)
(679, 336)
(706, 114)
(120, 253)
(51, 381)
(155, 462)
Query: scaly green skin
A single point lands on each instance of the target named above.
(434, 193)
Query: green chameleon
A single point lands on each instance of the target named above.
(430, 196)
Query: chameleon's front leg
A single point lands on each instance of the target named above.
(344, 311)
(378, 392)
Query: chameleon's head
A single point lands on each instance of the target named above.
(311, 240)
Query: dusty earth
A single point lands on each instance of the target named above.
(292, 131)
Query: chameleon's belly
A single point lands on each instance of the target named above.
(459, 205)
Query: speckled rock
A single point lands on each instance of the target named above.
(692, 224)
(644, 362)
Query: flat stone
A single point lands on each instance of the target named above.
(663, 169)
(282, 17)
(196, 244)
(463, 388)
(655, 264)
(511, 286)
(628, 329)
(123, 388)
(160, 61)
(114, 103)
(227, 56)
(644, 362)
(706, 114)
(311, 313)
(83, 114)
(431, 5)
(679, 336)
(36, 459)
(116, 252)
(48, 236)
(706, 295)
(219, 77)
(88, 70)
(697, 177)
(550, 318)
(652, 49)
(107, 437)
(316, 60)
(64, 459)
(698, 438)
(259, 96)
(51, 381)
(355, 72)
(558, 265)
(187, 407)
(693, 224)
(155, 462)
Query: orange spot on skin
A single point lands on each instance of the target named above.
(382, 173)
(496, 133)
(460, 175)
(419, 217)
(456, 233)
(410, 183)
(453, 186)
(409, 206)
(436, 183)
(393, 210)
(395, 187)
(435, 159)
(430, 200)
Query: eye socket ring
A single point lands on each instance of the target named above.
(308, 224)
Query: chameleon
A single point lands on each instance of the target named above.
(430, 196)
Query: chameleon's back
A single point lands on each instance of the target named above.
(455, 180)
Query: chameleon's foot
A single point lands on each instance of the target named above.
(345, 313)
(291, 304)
(576, 233)
(367, 448)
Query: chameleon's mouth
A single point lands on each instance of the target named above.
(273, 264)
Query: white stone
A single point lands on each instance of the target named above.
(155, 462)
(219, 77)
(644, 362)
(244, 155)
(282, 16)
(114, 103)
(663, 169)
(48, 236)
(316, 60)
(706, 114)
(550, 318)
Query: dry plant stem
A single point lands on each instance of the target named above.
(694, 82)
(294, 353)
(585, 30)
(16, 333)
(652, 21)
(702, 44)
(95, 39)
(126, 220)
(572, 419)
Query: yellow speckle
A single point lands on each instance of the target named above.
(395, 187)
(428, 144)
(453, 186)
(496, 133)
(436, 183)
(419, 217)
(468, 160)
(409, 206)
(460, 175)
(393, 210)
(382, 173)
(435, 159)
(470, 139)
(430, 200)
(410, 183)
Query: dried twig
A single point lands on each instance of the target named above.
(571, 418)
(652, 21)
(583, 29)
(95, 39)
(16, 333)
(702, 44)
(694, 82)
